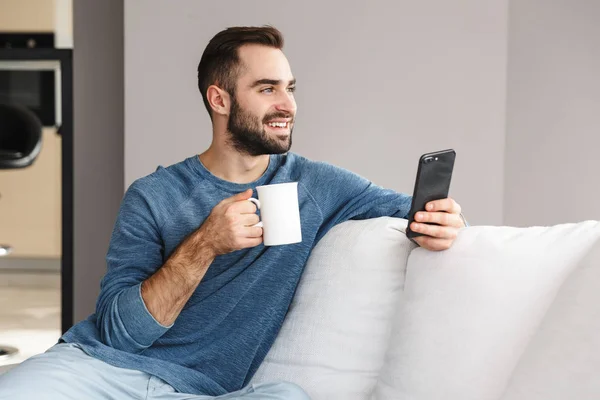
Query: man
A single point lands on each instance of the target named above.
(192, 301)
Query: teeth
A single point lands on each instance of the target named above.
(278, 124)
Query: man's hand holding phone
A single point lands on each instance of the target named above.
(446, 213)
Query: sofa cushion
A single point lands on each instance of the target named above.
(5, 368)
(563, 359)
(469, 312)
(334, 338)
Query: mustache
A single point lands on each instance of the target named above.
(278, 115)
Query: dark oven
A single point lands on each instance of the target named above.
(32, 84)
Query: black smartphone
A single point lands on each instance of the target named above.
(433, 182)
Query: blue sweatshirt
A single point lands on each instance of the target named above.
(230, 322)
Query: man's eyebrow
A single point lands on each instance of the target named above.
(273, 82)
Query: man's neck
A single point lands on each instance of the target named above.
(230, 165)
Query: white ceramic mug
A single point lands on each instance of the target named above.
(279, 213)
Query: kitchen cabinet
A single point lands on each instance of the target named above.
(30, 203)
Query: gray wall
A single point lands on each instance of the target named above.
(379, 83)
(98, 141)
(553, 120)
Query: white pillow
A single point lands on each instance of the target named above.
(563, 359)
(335, 336)
(6, 368)
(469, 312)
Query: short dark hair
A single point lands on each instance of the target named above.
(220, 63)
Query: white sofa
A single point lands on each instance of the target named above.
(507, 313)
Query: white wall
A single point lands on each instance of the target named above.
(553, 120)
(379, 83)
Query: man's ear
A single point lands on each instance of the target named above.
(219, 100)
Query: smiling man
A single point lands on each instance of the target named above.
(192, 300)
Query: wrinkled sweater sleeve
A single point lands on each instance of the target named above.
(343, 195)
(135, 253)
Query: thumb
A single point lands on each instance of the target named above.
(245, 195)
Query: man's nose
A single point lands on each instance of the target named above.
(286, 103)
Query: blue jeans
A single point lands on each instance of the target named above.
(66, 372)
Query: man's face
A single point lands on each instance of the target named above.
(262, 112)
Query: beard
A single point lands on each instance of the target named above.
(247, 133)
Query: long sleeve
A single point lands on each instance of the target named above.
(343, 195)
(135, 253)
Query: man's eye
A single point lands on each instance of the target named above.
(292, 89)
(267, 90)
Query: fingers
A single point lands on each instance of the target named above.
(242, 207)
(446, 214)
(433, 244)
(441, 218)
(246, 237)
(251, 242)
(250, 219)
(447, 205)
(436, 231)
(253, 232)
(239, 207)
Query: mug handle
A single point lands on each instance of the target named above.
(257, 202)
